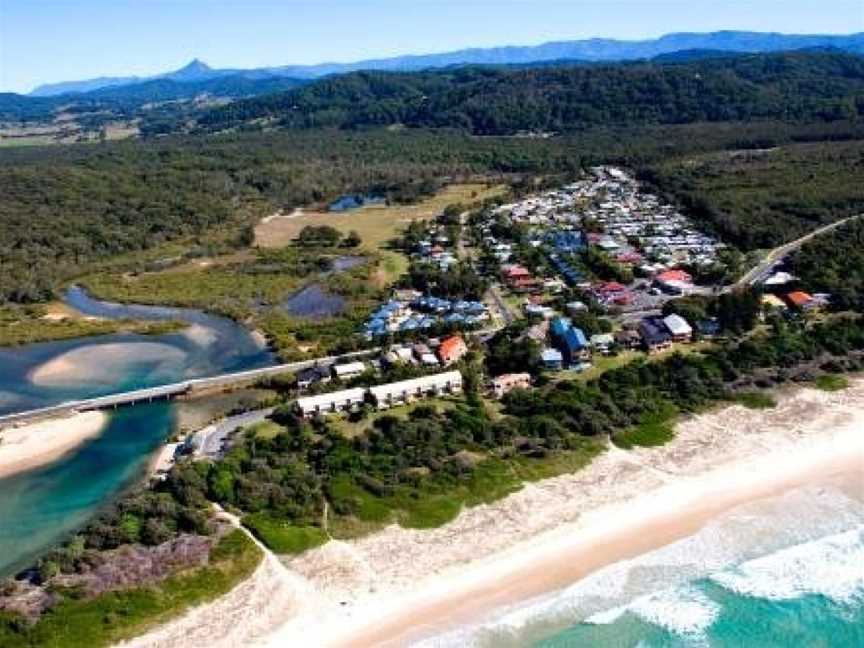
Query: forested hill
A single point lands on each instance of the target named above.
(797, 86)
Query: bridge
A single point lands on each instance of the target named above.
(172, 390)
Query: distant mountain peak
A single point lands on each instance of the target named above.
(195, 69)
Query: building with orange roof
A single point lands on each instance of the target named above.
(452, 350)
(800, 299)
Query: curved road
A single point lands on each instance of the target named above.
(775, 256)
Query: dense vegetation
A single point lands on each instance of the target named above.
(834, 263)
(762, 198)
(493, 101)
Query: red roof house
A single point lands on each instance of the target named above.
(452, 350)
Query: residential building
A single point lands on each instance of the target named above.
(571, 341)
(312, 376)
(678, 328)
(800, 299)
(348, 370)
(452, 350)
(331, 403)
(655, 335)
(551, 359)
(628, 339)
(404, 391)
(508, 382)
(602, 342)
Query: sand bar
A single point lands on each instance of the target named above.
(36, 444)
(398, 586)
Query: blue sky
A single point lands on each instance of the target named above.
(56, 40)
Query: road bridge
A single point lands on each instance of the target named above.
(172, 390)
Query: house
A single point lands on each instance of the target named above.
(576, 307)
(674, 282)
(573, 345)
(331, 403)
(655, 336)
(551, 359)
(602, 342)
(348, 370)
(612, 292)
(405, 391)
(508, 382)
(518, 277)
(678, 328)
(772, 302)
(538, 310)
(312, 376)
(628, 339)
(801, 299)
(452, 350)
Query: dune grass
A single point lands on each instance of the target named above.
(281, 537)
(653, 430)
(832, 382)
(756, 400)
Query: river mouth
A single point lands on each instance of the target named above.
(50, 373)
(40, 507)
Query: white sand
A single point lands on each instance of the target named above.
(103, 363)
(29, 446)
(400, 585)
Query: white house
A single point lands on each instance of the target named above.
(332, 403)
(406, 390)
(679, 328)
(348, 370)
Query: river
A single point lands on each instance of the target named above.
(40, 507)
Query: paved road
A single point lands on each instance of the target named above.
(505, 311)
(778, 254)
(210, 441)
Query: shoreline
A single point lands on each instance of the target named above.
(398, 586)
(33, 445)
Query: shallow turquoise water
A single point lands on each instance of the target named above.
(786, 572)
(39, 508)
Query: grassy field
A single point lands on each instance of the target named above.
(115, 616)
(284, 538)
(376, 225)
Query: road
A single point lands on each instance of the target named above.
(210, 441)
(176, 389)
(506, 314)
(778, 254)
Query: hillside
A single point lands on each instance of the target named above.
(804, 86)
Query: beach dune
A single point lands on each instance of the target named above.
(30, 446)
(400, 586)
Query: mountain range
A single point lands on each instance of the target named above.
(591, 50)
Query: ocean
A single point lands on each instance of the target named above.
(783, 572)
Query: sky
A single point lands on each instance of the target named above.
(44, 41)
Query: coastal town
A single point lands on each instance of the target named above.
(403, 324)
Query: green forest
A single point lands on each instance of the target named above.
(794, 86)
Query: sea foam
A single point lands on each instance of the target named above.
(832, 567)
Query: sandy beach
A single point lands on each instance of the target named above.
(399, 586)
(30, 446)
